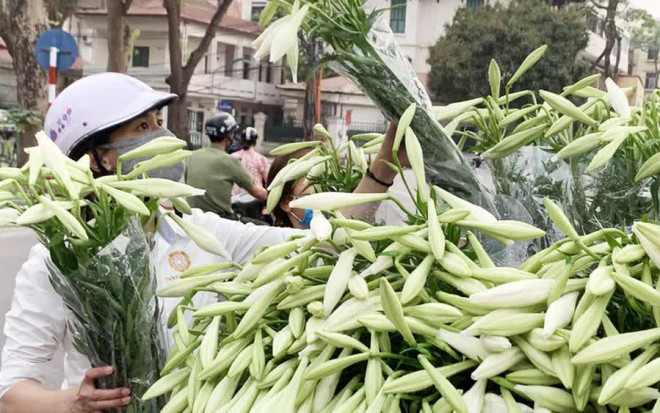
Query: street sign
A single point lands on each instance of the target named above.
(225, 105)
(67, 49)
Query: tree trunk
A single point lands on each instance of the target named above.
(611, 35)
(618, 56)
(21, 22)
(119, 36)
(180, 75)
(177, 112)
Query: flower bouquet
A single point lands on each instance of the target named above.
(99, 253)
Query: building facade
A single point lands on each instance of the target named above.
(227, 78)
(645, 65)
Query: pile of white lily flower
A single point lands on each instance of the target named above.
(362, 318)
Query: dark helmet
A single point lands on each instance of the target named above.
(249, 135)
(220, 125)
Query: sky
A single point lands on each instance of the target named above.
(652, 6)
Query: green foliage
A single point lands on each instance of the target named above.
(23, 118)
(647, 34)
(460, 59)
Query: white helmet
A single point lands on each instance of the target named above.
(96, 103)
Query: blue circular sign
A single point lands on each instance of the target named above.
(66, 45)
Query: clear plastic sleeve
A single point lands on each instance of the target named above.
(607, 197)
(114, 317)
(385, 75)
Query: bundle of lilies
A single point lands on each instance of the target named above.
(99, 253)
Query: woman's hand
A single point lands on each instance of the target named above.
(89, 399)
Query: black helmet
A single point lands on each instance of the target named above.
(249, 135)
(220, 125)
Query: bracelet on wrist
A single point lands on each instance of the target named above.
(373, 177)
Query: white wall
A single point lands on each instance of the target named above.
(642, 65)
(425, 24)
(7, 86)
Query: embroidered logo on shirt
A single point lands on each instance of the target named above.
(179, 261)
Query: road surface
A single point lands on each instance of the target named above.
(15, 244)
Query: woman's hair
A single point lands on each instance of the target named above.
(281, 217)
(90, 146)
(245, 145)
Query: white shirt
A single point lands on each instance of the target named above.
(38, 345)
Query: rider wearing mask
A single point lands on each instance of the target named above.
(105, 115)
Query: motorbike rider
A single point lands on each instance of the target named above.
(214, 170)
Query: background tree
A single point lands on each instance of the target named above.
(120, 36)
(181, 72)
(646, 35)
(21, 22)
(59, 11)
(459, 60)
(311, 52)
(612, 10)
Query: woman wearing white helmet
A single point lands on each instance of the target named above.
(106, 115)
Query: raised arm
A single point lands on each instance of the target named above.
(382, 173)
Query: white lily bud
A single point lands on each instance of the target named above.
(320, 226)
(474, 398)
(127, 200)
(617, 98)
(477, 213)
(454, 109)
(600, 281)
(494, 404)
(559, 314)
(55, 161)
(338, 280)
(8, 216)
(282, 341)
(552, 397)
(495, 344)
(358, 287)
(329, 201)
(469, 346)
(65, 217)
(157, 188)
(36, 162)
(505, 229)
(515, 294)
(498, 363)
(158, 146)
(315, 308)
(201, 237)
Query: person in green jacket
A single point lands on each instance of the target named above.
(214, 170)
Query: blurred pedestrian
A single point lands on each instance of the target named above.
(255, 163)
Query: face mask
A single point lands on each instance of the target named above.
(173, 173)
(306, 219)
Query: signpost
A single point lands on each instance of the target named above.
(55, 50)
(225, 106)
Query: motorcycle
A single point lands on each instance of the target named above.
(249, 209)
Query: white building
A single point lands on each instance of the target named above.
(643, 65)
(227, 77)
